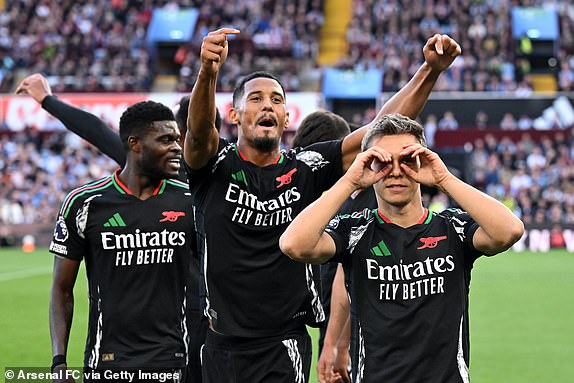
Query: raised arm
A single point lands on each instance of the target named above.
(202, 137)
(498, 228)
(62, 303)
(304, 239)
(84, 124)
(439, 52)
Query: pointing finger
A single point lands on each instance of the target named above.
(225, 31)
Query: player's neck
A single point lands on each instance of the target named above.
(139, 186)
(260, 158)
(403, 216)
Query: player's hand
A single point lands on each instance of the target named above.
(427, 169)
(440, 51)
(214, 49)
(369, 167)
(36, 86)
(327, 367)
(340, 365)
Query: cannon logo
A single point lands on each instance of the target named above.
(286, 178)
(171, 216)
(430, 242)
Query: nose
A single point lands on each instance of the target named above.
(176, 146)
(267, 104)
(396, 169)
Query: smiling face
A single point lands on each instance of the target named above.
(160, 154)
(261, 114)
(396, 189)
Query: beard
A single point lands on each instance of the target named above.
(151, 168)
(266, 144)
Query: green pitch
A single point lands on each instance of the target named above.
(522, 312)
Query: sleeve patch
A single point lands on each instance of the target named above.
(61, 232)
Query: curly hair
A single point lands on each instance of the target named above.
(140, 116)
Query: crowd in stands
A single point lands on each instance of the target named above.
(37, 171)
(278, 36)
(93, 46)
(534, 179)
(101, 45)
(97, 46)
(388, 34)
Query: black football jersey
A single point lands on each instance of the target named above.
(409, 294)
(251, 288)
(137, 255)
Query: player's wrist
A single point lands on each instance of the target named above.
(58, 360)
(444, 184)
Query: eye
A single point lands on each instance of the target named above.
(255, 99)
(277, 100)
(167, 139)
(409, 161)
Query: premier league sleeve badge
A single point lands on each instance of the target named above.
(61, 230)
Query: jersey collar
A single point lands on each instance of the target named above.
(425, 219)
(122, 188)
(279, 158)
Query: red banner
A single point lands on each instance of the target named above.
(17, 112)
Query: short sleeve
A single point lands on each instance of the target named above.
(339, 230)
(464, 226)
(325, 161)
(66, 241)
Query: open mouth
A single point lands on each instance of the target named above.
(267, 122)
(174, 162)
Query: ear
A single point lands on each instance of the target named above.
(134, 144)
(286, 119)
(234, 116)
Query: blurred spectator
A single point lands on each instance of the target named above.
(448, 122)
(481, 120)
(520, 180)
(536, 159)
(524, 122)
(508, 122)
(439, 202)
(430, 128)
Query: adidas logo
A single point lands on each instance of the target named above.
(115, 221)
(381, 250)
(239, 176)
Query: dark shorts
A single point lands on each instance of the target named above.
(270, 360)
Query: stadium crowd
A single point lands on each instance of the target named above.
(386, 34)
(37, 171)
(94, 46)
(534, 179)
(101, 46)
